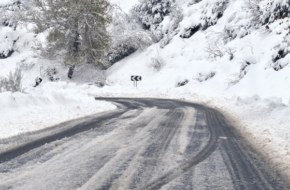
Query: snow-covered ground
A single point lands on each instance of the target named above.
(48, 105)
(247, 89)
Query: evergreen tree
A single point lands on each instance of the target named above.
(152, 12)
(77, 29)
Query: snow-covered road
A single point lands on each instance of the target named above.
(145, 144)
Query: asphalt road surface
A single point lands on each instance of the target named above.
(144, 144)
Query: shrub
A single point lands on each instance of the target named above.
(281, 51)
(38, 80)
(214, 51)
(236, 78)
(209, 12)
(128, 43)
(151, 14)
(23, 65)
(127, 35)
(182, 83)
(205, 76)
(50, 73)
(157, 63)
(12, 82)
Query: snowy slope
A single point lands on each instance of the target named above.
(186, 59)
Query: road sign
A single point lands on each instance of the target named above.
(135, 79)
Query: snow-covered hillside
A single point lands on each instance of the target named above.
(251, 71)
(232, 55)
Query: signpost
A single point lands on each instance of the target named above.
(135, 79)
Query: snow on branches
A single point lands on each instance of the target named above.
(10, 12)
(151, 13)
(127, 35)
(206, 15)
(77, 30)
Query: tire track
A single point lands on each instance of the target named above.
(157, 148)
(18, 151)
(254, 177)
(203, 154)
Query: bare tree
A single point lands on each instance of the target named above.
(213, 51)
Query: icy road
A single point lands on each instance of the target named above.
(144, 144)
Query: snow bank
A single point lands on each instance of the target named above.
(46, 106)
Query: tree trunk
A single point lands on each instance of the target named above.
(71, 71)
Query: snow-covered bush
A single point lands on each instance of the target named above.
(263, 12)
(273, 10)
(157, 63)
(254, 11)
(207, 14)
(38, 80)
(51, 72)
(235, 78)
(12, 37)
(151, 14)
(165, 41)
(23, 65)
(281, 57)
(120, 52)
(12, 82)
(128, 43)
(171, 28)
(10, 13)
(176, 16)
(215, 50)
(217, 45)
(8, 42)
(182, 83)
(205, 76)
(127, 35)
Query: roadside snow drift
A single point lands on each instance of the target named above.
(49, 105)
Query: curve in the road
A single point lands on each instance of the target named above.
(211, 145)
